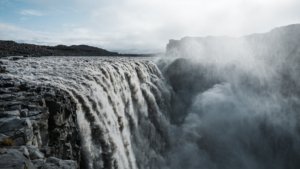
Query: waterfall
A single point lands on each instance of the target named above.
(122, 106)
(185, 114)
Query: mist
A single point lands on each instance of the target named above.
(236, 101)
(80, 86)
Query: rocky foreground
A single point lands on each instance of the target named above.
(38, 126)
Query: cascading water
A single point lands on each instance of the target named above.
(224, 106)
(122, 106)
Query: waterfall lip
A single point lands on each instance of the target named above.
(117, 114)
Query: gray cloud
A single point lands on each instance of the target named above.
(31, 12)
(148, 25)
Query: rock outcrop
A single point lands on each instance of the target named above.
(38, 127)
(279, 43)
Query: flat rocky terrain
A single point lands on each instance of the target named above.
(11, 48)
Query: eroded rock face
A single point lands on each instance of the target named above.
(187, 78)
(37, 124)
(14, 159)
(54, 163)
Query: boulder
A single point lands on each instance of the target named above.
(55, 163)
(34, 153)
(19, 130)
(11, 124)
(39, 163)
(24, 150)
(14, 159)
(11, 113)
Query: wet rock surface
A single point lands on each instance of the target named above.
(121, 108)
(14, 159)
(38, 127)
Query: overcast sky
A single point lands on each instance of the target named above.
(138, 25)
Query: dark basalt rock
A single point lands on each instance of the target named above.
(37, 124)
(2, 68)
(14, 159)
(55, 163)
(187, 78)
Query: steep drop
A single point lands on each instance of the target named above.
(122, 106)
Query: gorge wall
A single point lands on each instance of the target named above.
(237, 100)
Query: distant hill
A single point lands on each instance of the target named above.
(11, 48)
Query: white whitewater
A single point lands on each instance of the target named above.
(121, 106)
(213, 115)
